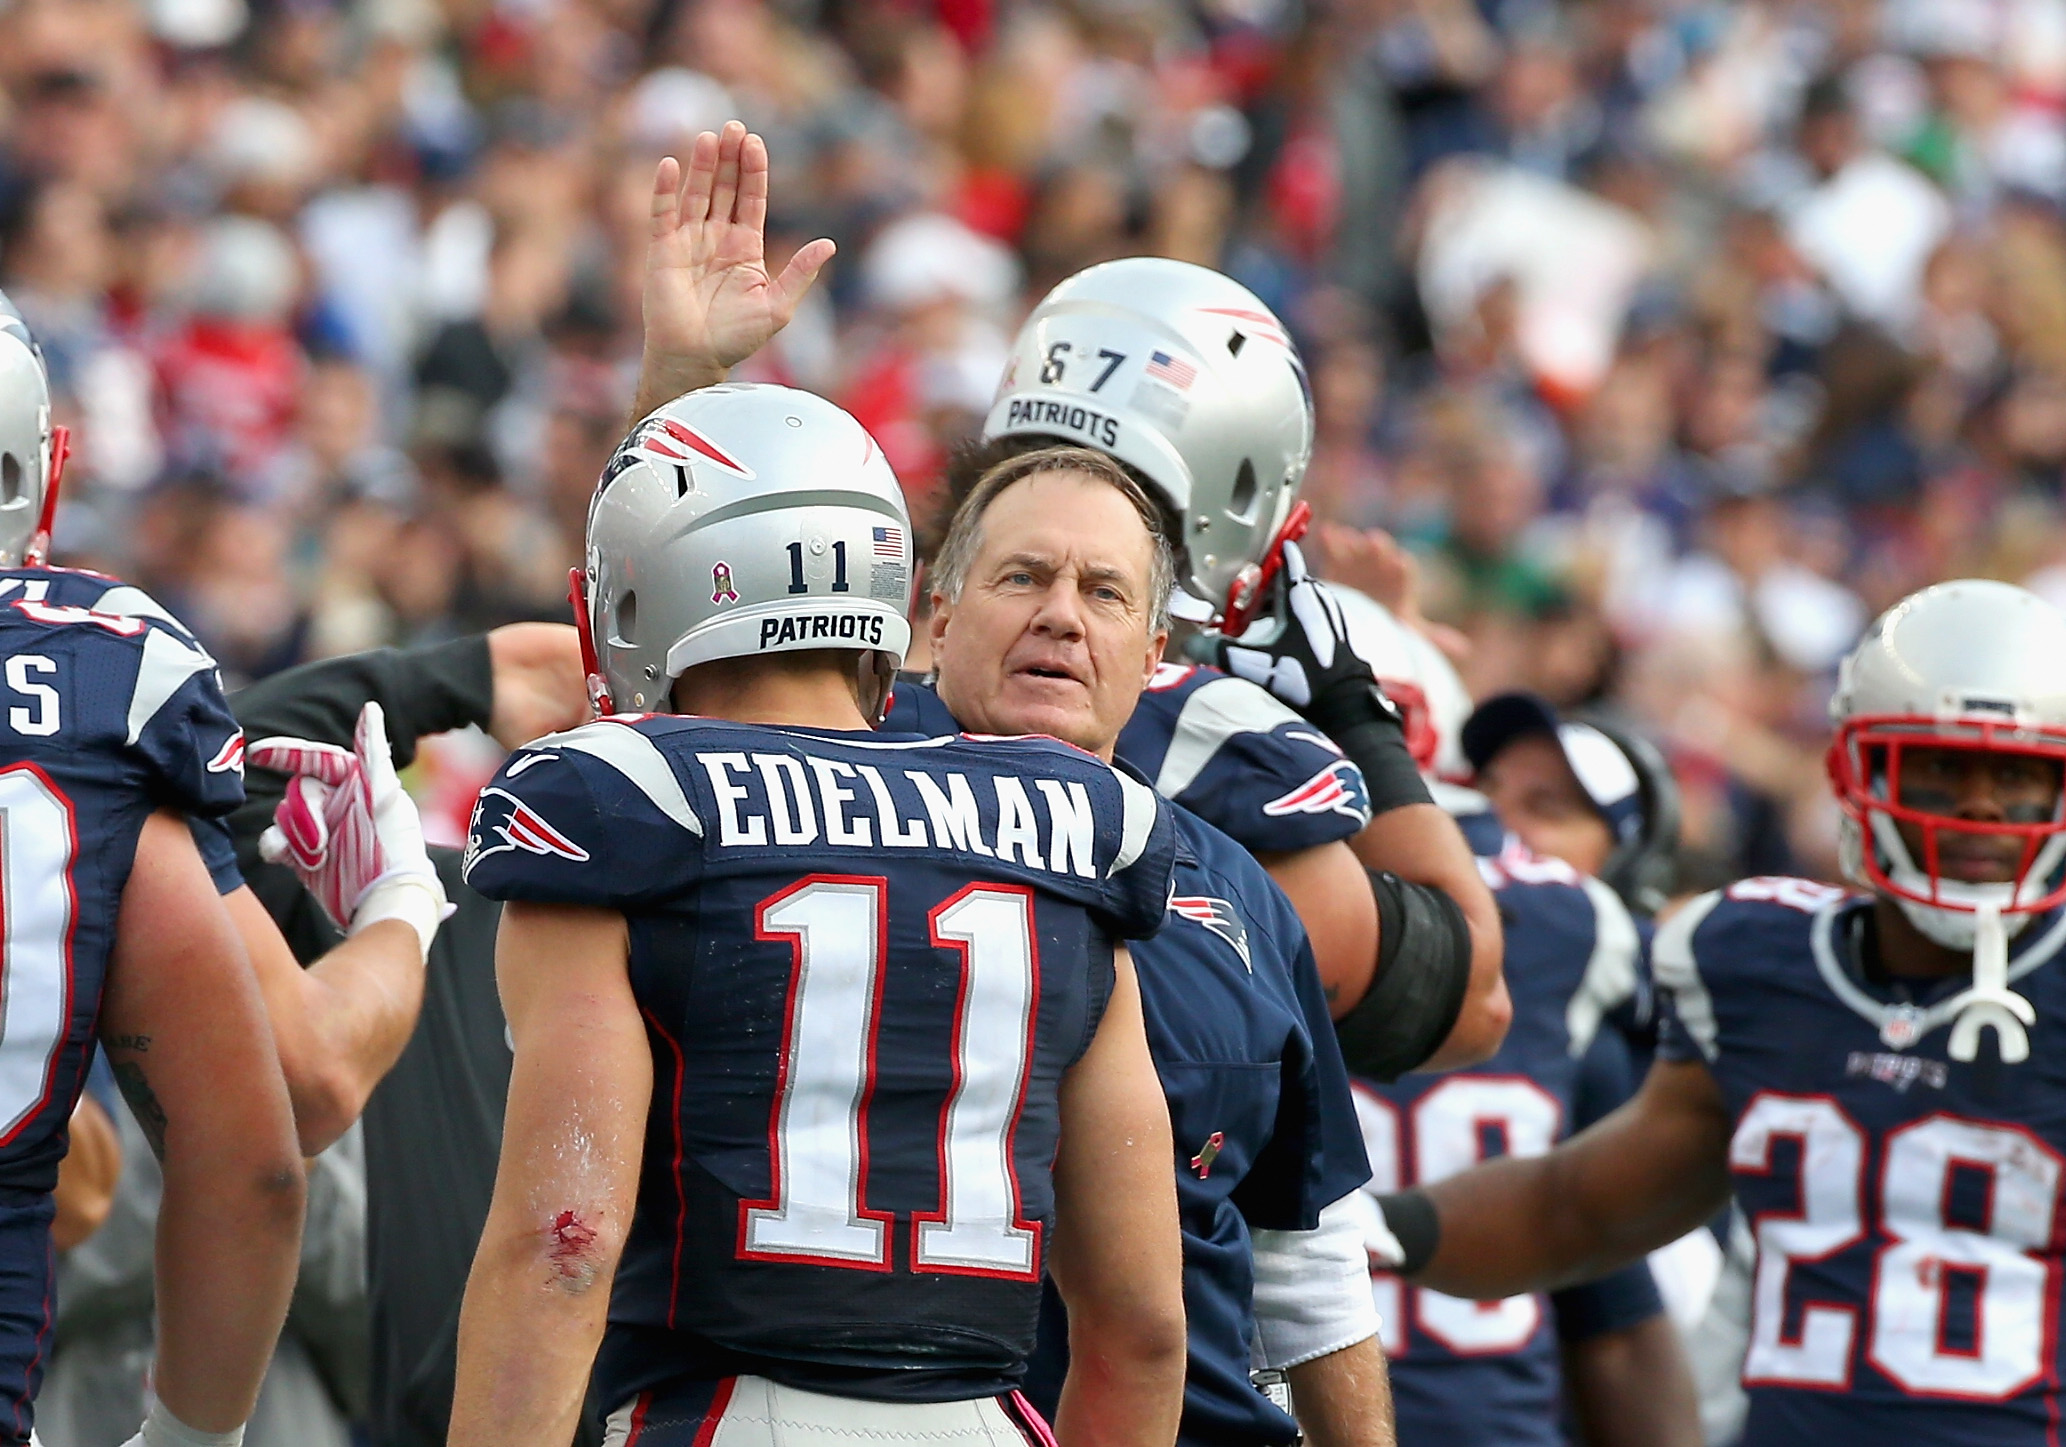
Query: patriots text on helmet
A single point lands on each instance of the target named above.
(1085, 421)
(780, 632)
(783, 800)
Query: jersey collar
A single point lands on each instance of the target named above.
(1900, 1023)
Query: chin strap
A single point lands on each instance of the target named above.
(591, 665)
(1990, 1003)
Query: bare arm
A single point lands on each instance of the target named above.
(1633, 1388)
(540, 1286)
(186, 1033)
(1422, 845)
(1344, 1399)
(1116, 1256)
(340, 1024)
(1328, 888)
(1642, 1177)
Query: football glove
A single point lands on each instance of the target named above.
(350, 832)
(1301, 654)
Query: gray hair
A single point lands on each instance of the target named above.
(957, 552)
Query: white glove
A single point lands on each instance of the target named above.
(162, 1429)
(350, 832)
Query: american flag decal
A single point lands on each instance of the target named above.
(1179, 373)
(889, 542)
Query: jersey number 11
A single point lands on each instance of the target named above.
(838, 927)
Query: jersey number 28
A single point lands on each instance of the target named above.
(838, 927)
(1958, 1309)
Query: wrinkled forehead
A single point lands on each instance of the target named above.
(1068, 519)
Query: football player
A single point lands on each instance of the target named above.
(115, 728)
(1267, 1154)
(349, 831)
(1184, 377)
(1872, 1076)
(825, 1031)
(1475, 1373)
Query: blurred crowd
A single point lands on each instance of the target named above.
(1675, 337)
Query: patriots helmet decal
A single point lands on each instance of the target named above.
(1218, 916)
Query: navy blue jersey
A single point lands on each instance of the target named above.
(1244, 763)
(1264, 1125)
(111, 711)
(1481, 1373)
(1224, 749)
(864, 962)
(1906, 1207)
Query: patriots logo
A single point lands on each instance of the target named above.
(1219, 917)
(1336, 789)
(669, 439)
(502, 822)
(229, 759)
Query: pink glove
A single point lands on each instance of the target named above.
(348, 829)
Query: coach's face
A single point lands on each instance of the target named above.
(1051, 634)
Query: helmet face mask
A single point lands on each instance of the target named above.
(1869, 762)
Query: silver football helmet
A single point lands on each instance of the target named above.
(737, 521)
(31, 450)
(1971, 665)
(1185, 376)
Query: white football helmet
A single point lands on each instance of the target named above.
(736, 521)
(1184, 375)
(1969, 665)
(1417, 677)
(32, 452)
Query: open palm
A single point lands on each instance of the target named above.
(709, 302)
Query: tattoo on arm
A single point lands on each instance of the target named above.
(143, 1104)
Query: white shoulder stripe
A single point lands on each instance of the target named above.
(1213, 714)
(638, 759)
(1136, 824)
(136, 603)
(1610, 974)
(167, 663)
(1671, 960)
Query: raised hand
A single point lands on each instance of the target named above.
(709, 302)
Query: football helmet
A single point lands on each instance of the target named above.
(1185, 376)
(32, 452)
(1418, 678)
(1969, 665)
(737, 521)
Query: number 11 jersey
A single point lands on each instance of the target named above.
(1906, 1206)
(865, 962)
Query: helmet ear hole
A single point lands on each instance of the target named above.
(10, 478)
(1236, 342)
(1241, 503)
(627, 618)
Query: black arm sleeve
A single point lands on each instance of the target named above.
(422, 691)
(1367, 727)
(1423, 970)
